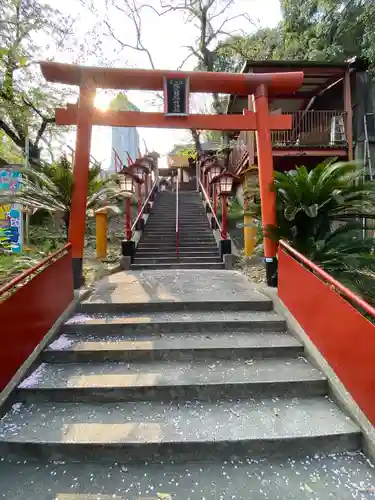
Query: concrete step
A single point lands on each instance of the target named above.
(171, 380)
(338, 477)
(87, 347)
(163, 253)
(182, 236)
(176, 322)
(173, 255)
(171, 240)
(172, 227)
(171, 246)
(198, 231)
(139, 432)
(181, 265)
(172, 223)
(175, 260)
(183, 231)
(181, 241)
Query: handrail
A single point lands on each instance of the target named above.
(177, 214)
(118, 160)
(209, 203)
(25, 274)
(362, 304)
(143, 206)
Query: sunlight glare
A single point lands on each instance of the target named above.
(102, 101)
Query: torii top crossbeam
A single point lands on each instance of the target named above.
(142, 79)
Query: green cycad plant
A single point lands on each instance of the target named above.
(348, 255)
(50, 188)
(311, 204)
(308, 202)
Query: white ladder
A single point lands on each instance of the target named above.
(338, 135)
(367, 151)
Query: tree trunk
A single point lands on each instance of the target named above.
(197, 142)
(66, 219)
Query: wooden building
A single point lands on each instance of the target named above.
(327, 112)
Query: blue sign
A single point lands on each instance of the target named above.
(10, 214)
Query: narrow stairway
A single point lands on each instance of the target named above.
(178, 385)
(196, 244)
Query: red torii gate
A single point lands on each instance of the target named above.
(84, 115)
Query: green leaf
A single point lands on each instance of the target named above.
(290, 212)
(312, 210)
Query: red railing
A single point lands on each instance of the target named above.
(141, 212)
(118, 163)
(331, 315)
(312, 129)
(29, 306)
(177, 215)
(208, 201)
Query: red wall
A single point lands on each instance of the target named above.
(28, 314)
(344, 336)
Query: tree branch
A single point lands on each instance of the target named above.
(132, 13)
(184, 61)
(42, 129)
(11, 134)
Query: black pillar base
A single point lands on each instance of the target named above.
(225, 247)
(128, 249)
(140, 224)
(213, 223)
(78, 278)
(271, 271)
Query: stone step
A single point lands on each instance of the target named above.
(342, 476)
(170, 380)
(176, 322)
(175, 260)
(182, 265)
(181, 256)
(183, 232)
(88, 347)
(171, 223)
(207, 236)
(172, 246)
(182, 209)
(172, 228)
(163, 253)
(197, 430)
(170, 242)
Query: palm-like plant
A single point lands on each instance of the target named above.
(348, 255)
(309, 202)
(50, 188)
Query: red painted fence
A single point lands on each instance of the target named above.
(342, 334)
(29, 306)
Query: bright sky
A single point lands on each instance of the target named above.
(165, 38)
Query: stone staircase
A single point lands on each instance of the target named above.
(197, 245)
(178, 385)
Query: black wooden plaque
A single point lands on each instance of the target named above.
(176, 96)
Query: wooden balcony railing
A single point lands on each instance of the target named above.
(310, 129)
(318, 129)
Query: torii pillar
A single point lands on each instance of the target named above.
(77, 221)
